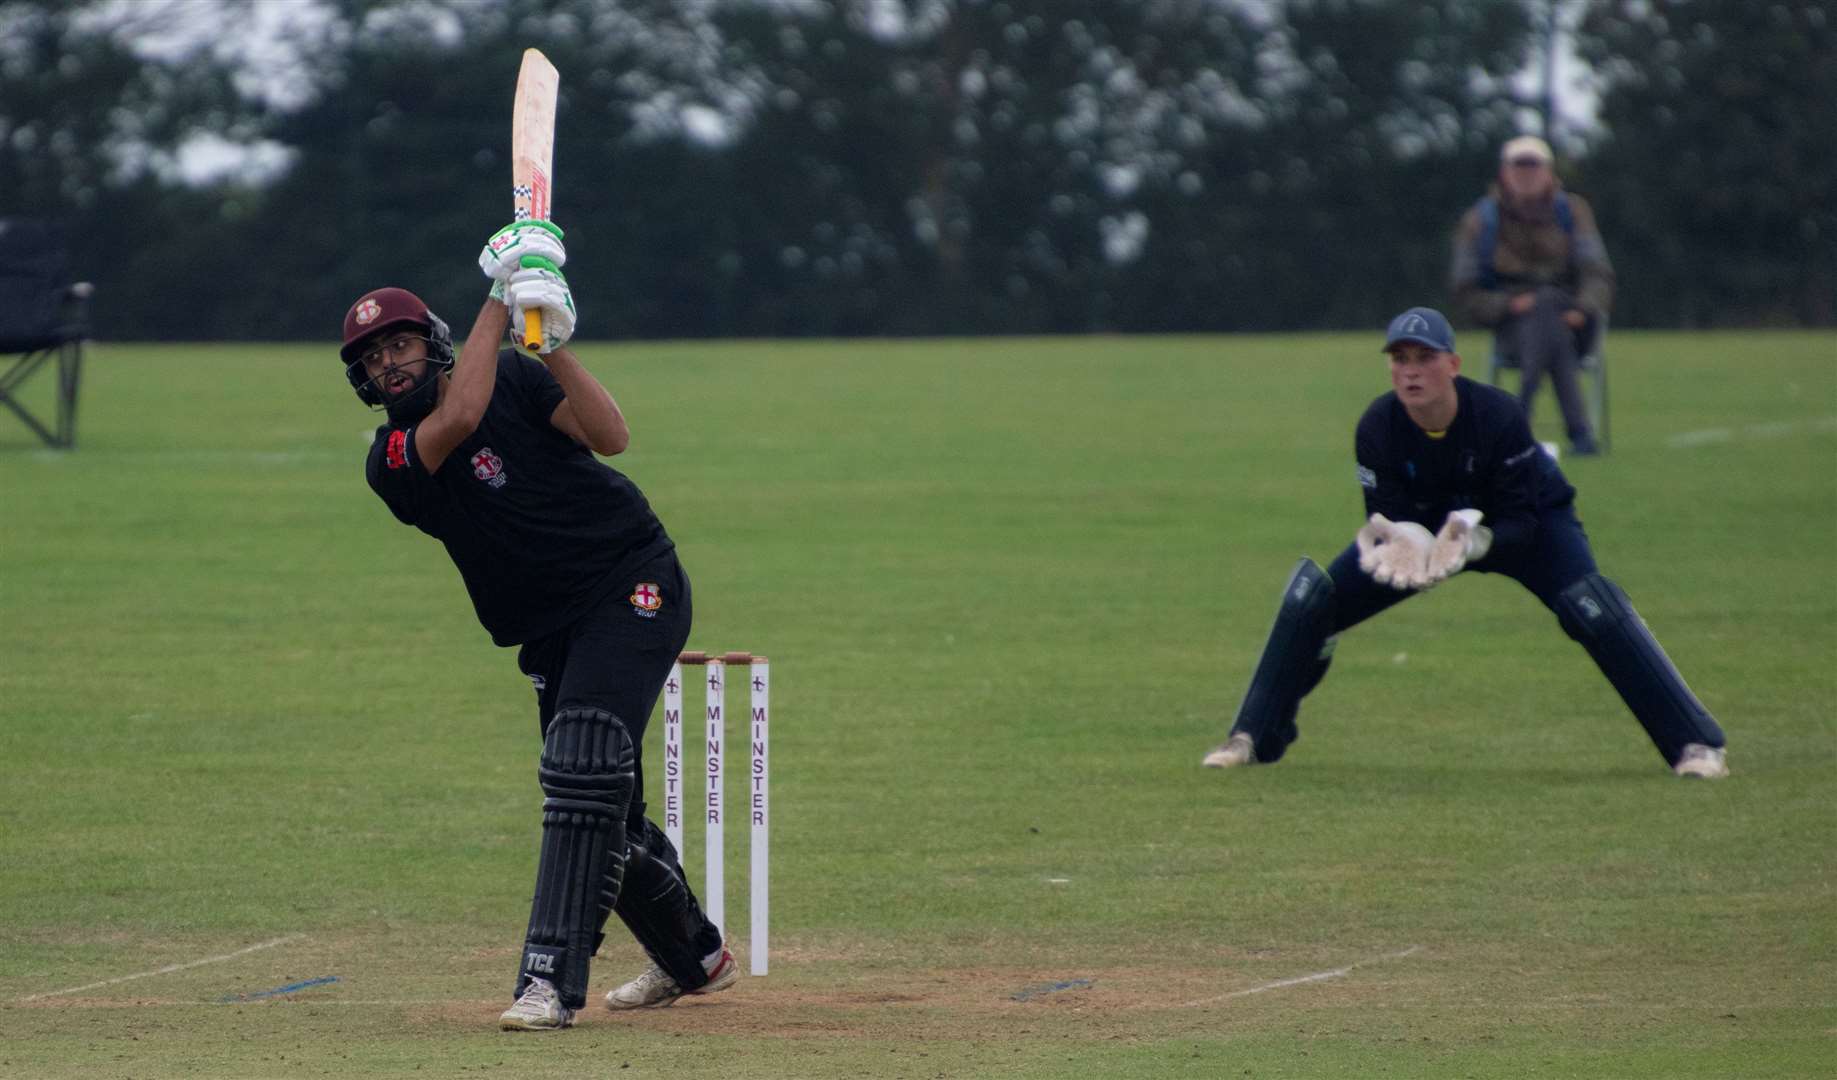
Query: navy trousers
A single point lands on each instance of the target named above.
(1556, 559)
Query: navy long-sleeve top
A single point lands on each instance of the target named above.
(1487, 460)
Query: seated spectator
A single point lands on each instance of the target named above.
(1530, 265)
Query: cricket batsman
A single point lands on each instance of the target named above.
(492, 454)
(1441, 452)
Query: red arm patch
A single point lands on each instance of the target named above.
(395, 455)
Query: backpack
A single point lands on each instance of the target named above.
(1489, 235)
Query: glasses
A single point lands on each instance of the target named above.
(395, 349)
(1526, 163)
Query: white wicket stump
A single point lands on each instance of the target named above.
(672, 758)
(714, 809)
(760, 811)
(714, 838)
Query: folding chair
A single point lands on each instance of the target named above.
(44, 317)
(1593, 366)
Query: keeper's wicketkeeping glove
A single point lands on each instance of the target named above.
(1395, 553)
(1462, 540)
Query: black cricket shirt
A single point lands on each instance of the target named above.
(539, 528)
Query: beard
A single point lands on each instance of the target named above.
(412, 405)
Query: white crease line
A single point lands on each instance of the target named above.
(1700, 438)
(295, 1002)
(1777, 429)
(1318, 976)
(167, 970)
(284, 1001)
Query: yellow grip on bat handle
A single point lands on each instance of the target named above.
(532, 329)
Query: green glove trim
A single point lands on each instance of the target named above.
(532, 222)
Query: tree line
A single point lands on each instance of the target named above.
(839, 167)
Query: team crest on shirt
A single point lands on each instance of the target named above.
(646, 599)
(488, 467)
(395, 453)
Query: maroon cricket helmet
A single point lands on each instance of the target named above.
(378, 310)
(385, 309)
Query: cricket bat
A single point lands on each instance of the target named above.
(532, 152)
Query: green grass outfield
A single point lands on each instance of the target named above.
(251, 735)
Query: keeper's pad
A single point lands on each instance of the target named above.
(587, 776)
(660, 909)
(1295, 659)
(1595, 612)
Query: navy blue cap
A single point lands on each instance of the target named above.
(1425, 326)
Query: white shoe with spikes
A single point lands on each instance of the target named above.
(1235, 751)
(1703, 762)
(539, 1009)
(656, 990)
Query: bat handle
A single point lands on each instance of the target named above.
(532, 329)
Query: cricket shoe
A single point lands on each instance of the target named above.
(539, 1009)
(1235, 751)
(1704, 762)
(656, 990)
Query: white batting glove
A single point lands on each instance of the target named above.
(1395, 553)
(503, 254)
(1462, 540)
(544, 288)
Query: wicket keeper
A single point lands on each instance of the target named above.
(492, 454)
(1445, 453)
